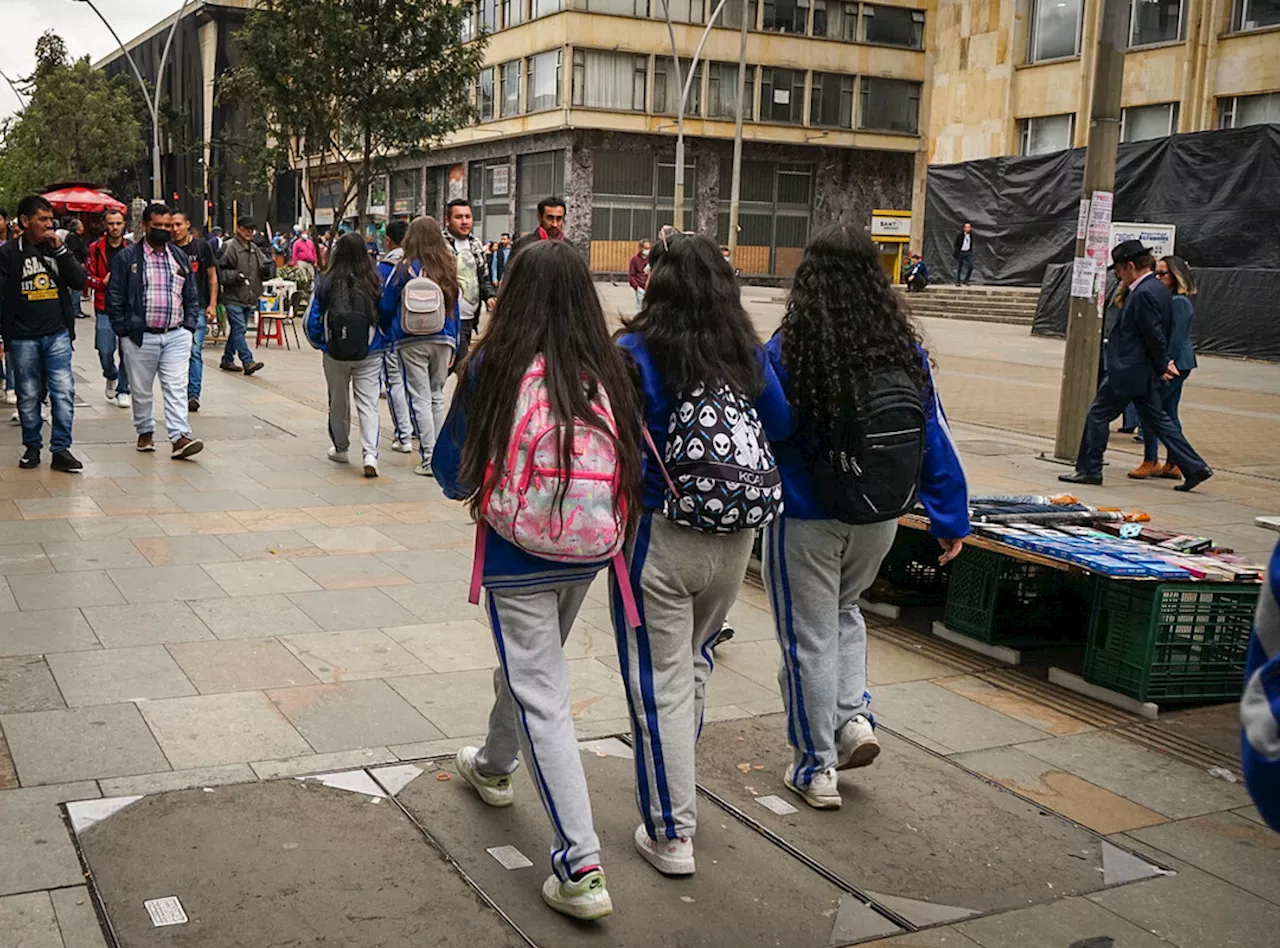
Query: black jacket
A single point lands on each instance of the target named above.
(71, 277)
(1137, 351)
(125, 306)
(973, 242)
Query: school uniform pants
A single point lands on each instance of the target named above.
(815, 571)
(397, 402)
(531, 716)
(425, 367)
(685, 581)
(361, 377)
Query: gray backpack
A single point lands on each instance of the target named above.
(422, 306)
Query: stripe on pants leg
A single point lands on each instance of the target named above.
(791, 651)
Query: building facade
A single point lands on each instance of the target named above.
(1013, 77)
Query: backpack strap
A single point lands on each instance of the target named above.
(477, 563)
(623, 578)
(657, 457)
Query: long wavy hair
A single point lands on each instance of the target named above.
(425, 250)
(547, 304)
(1183, 283)
(350, 271)
(843, 321)
(693, 321)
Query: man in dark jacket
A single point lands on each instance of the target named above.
(1137, 360)
(964, 254)
(101, 254)
(40, 284)
(638, 272)
(243, 267)
(498, 259)
(154, 308)
(550, 223)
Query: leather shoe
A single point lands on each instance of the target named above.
(1146, 469)
(1079, 477)
(1194, 479)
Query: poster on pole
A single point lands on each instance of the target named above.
(1159, 237)
(1097, 242)
(1082, 220)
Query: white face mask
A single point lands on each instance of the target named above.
(644, 253)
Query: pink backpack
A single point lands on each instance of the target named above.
(584, 526)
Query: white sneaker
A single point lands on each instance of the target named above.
(109, 390)
(370, 466)
(402, 447)
(584, 898)
(495, 791)
(11, 397)
(424, 470)
(45, 412)
(124, 400)
(823, 792)
(856, 744)
(14, 419)
(339, 457)
(671, 857)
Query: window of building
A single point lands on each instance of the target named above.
(510, 88)
(489, 192)
(1045, 134)
(406, 193)
(484, 97)
(831, 100)
(543, 72)
(619, 7)
(1255, 14)
(467, 31)
(835, 20)
(609, 80)
(545, 7)
(776, 205)
(722, 92)
(666, 91)
(682, 11)
(1148, 121)
(890, 105)
(782, 95)
(1055, 29)
(513, 12)
(488, 15)
(1154, 21)
(893, 26)
(786, 16)
(539, 175)
(1241, 110)
(731, 15)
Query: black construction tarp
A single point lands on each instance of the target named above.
(1237, 309)
(1221, 189)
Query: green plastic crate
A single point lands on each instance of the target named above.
(1004, 601)
(910, 574)
(1176, 642)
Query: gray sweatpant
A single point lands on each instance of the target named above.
(343, 378)
(531, 714)
(397, 402)
(815, 571)
(685, 582)
(425, 367)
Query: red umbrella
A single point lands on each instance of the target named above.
(77, 199)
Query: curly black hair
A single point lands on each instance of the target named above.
(843, 321)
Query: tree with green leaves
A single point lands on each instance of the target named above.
(78, 125)
(344, 85)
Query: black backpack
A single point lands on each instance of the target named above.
(870, 472)
(349, 319)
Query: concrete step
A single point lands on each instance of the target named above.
(927, 299)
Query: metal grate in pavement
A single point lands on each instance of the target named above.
(1060, 699)
(1188, 750)
(962, 660)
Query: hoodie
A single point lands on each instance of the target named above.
(1260, 706)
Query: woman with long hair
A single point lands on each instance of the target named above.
(343, 324)
(870, 433)
(1174, 273)
(545, 366)
(707, 393)
(424, 360)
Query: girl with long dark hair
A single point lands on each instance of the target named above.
(849, 359)
(343, 310)
(707, 392)
(545, 382)
(424, 360)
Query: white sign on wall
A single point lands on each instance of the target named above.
(1159, 237)
(890, 226)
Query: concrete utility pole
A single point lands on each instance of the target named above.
(1084, 324)
(735, 189)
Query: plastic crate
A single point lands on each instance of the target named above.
(1176, 642)
(1004, 601)
(910, 574)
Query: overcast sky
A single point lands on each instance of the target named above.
(25, 20)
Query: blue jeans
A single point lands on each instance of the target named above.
(195, 377)
(237, 320)
(107, 344)
(964, 267)
(1171, 397)
(43, 365)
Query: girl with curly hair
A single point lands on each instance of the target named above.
(844, 333)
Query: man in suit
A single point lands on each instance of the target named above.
(1137, 360)
(964, 254)
(498, 261)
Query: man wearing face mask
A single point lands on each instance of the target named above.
(638, 272)
(154, 306)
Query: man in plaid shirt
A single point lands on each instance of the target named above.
(154, 307)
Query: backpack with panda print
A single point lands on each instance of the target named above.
(720, 472)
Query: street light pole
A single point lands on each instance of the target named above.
(735, 189)
(153, 104)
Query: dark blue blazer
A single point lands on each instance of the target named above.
(1137, 352)
(125, 295)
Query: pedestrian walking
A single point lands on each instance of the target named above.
(392, 377)
(200, 259)
(1137, 360)
(155, 309)
(476, 291)
(546, 357)
(242, 266)
(80, 250)
(1175, 275)
(215, 240)
(551, 218)
(964, 254)
(40, 280)
(343, 324)
(419, 316)
(870, 438)
(501, 256)
(102, 253)
(638, 272)
(709, 399)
